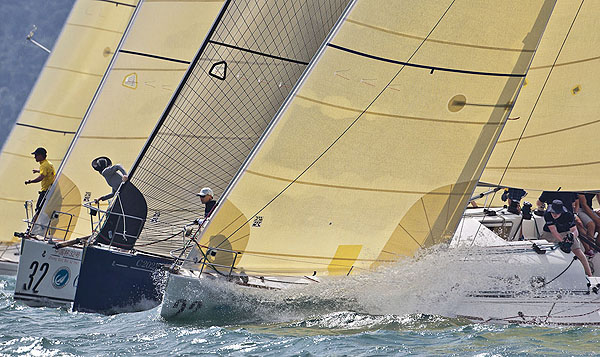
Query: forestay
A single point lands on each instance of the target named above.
(150, 64)
(555, 140)
(254, 55)
(58, 101)
(379, 149)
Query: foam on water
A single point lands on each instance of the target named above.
(431, 284)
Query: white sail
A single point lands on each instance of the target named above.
(151, 62)
(58, 101)
(379, 149)
(554, 138)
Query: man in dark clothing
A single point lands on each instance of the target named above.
(206, 197)
(559, 223)
(514, 195)
(567, 198)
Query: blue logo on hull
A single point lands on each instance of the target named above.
(61, 277)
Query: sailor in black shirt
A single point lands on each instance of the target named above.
(206, 197)
(560, 222)
(567, 198)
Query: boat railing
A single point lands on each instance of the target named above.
(104, 214)
(204, 253)
(56, 215)
(29, 213)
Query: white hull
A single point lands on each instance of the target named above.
(537, 286)
(525, 285)
(210, 297)
(47, 276)
(9, 260)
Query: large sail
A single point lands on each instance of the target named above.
(59, 100)
(254, 55)
(554, 139)
(151, 62)
(379, 149)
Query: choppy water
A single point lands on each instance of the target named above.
(394, 312)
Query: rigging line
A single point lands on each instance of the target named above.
(116, 3)
(45, 129)
(538, 97)
(345, 130)
(258, 53)
(154, 56)
(431, 68)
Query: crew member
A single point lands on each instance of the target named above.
(46, 177)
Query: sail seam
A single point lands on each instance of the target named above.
(116, 3)
(95, 28)
(550, 132)
(350, 187)
(27, 156)
(431, 68)
(258, 53)
(154, 56)
(399, 116)
(53, 114)
(458, 44)
(45, 129)
(74, 71)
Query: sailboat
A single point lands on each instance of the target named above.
(54, 109)
(148, 64)
(375, 153)
(541, 151)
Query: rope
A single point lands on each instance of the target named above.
(556, 277)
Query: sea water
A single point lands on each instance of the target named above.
(396, 311)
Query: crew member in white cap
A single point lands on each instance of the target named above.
(206, 197)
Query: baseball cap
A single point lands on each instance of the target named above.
(205, 192)
(40, 151)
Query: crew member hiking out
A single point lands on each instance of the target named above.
(113, 174)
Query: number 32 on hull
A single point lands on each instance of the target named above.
(47, 276)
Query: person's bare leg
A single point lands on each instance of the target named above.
(586, 266)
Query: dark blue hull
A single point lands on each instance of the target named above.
(112, 282)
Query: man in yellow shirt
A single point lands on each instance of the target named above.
(46, 176)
